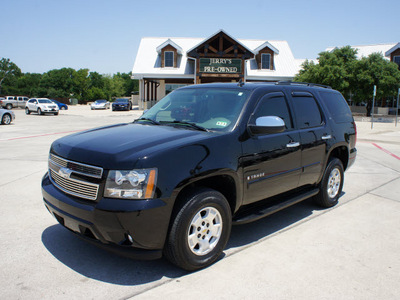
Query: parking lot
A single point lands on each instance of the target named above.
(351, 251)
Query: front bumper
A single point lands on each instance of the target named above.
(118, 107)
(133, 228)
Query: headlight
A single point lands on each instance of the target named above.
(134, 184)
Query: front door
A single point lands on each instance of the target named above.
(271, 162)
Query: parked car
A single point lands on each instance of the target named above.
(100, 104)
(10, 102)
(61, 106)
(122, 104)
(41, 106)
(203, 158)
(6, 116)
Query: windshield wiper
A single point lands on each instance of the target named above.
(148, 119)
(192, 125)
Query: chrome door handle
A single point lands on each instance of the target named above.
(327, 137)
(293, 145)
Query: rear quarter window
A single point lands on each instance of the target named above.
(337, 107)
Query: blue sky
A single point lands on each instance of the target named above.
(103, 36)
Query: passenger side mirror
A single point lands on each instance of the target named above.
(269, 124)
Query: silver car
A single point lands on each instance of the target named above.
(6, 116)
(100, 104)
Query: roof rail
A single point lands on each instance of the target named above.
(303, 83)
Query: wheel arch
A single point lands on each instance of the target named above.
(341, 152)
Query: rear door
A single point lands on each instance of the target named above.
(271, 162)
(314, 136)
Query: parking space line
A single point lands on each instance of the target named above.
(386, 151)
(40, 135)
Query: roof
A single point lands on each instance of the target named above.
(366, 50)
(148, 61)
(391, 50)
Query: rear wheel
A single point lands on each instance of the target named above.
(199, 231)
(6, 120)
(331, 184)
(9, 106)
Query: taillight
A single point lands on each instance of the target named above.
(355, 128)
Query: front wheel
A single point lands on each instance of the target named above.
(27, 111)
(200, 230)
(331, 184)
(39, 111)
(9, 106)
(6, 120)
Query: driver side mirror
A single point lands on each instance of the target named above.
(267, 125)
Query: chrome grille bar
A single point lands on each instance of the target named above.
(79, 168)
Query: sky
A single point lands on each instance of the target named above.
(104, 36)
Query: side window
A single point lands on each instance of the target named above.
(273, 105)
(265, 61)
(337, 107)
(307, 111)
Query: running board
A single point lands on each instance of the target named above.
(266, 211)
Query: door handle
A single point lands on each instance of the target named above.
(326, 137)
(293, 145)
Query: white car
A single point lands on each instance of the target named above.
(41, 106)
(100, 104)
(6, 116)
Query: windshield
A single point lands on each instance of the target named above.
(213, 108)
(100, 101)
(45, 101)
(121, 100)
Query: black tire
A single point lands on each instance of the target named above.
(330, 187)
(198, 223)
(62, 108)
(9, 106)
(27, 111)
(6, 119)
(39, 111)
(56, 113)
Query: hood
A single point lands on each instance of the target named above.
(121, 146)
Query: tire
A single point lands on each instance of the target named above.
(9, 106)
(62, 108)
(6, 119)
(330, 187)
(200, 230)
(56, 113)
(39, 111)
(27, 111)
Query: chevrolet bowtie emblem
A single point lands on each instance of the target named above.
(65, 172)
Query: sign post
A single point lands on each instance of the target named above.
(397, 107)
(373, 108)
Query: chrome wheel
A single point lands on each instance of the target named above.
(334, 182)
(6, 119)
(205, 230)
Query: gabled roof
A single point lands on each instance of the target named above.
(394, 48)
(213, 35)
(266, 44)
(169, 42)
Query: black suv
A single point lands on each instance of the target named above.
(204, 157)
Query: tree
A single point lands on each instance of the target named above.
(375, 70)
(334, 69)
(8, 69)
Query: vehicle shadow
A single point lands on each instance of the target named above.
(99, 264)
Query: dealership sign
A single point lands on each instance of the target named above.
(220, 65)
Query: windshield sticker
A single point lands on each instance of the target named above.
(222, 124)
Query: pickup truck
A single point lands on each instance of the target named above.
(10, 102)
(203, 158)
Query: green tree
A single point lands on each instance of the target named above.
(60, 80)
(335, 69)
(81, 83)
(375, 70)
(8, 69)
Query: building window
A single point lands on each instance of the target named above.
(168, 59)
(266, 61)
(170, 87)
(396, 59)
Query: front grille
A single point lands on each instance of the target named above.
(61, 171)
(79, 168)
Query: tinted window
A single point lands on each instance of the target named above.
(307, 110)
(265, 61)
(337, 107)
(273, 105)
(169, 59)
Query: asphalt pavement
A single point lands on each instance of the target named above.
(351, 251)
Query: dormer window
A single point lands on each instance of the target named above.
(396, 59)
(265, 61)
(169, 59)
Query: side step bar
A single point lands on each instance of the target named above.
(263, 212)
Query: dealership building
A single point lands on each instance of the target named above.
(163, 64)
